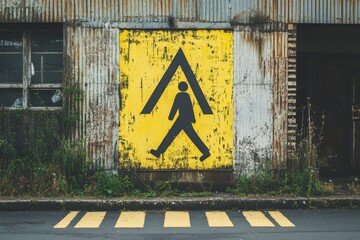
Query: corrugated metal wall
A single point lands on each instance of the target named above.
(238, 11)
(186, 10)
(260, 98)
(214, 10)
(298, 11)
(33, 10)
(260, 65)
(85, 10)
(92, 65)
(121, 10)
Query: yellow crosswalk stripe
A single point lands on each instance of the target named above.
(173, 219)
(177, 219)
(91, 220)
(257, 219)
(134, 219)
(281, 219)
(218, 219)
(66, 220)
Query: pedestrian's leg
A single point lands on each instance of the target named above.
(170, 136)
(189, 130)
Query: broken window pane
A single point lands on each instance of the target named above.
(45, 62)
(9, 97)
(57, 96)
(45, 98)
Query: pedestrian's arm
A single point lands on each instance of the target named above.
(174, 108)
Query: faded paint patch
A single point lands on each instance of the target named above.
(260, 99)
(92, 66)
(144, 58)
(253, 100)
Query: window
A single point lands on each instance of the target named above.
(31, 66)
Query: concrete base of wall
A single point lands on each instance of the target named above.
(189, 180)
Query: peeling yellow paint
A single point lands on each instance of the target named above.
(144, 57)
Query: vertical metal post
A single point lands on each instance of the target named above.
(309, 131)
(174, 9)
(26, 68)
(42, 68)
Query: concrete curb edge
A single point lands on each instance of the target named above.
(201, 203)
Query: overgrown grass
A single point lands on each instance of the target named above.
(50, 165)
(302, 182)
(50, 176)
(354, 186)
(302, 171)
(38, 159)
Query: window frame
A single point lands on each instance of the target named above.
(26, 86)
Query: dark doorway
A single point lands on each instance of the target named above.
(328, 75)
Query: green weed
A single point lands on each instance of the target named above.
(112, 185)
(302, 182)
(161, 188)
(328, 187)
(302, 174)
(354, 186)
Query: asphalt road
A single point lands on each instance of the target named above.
(200, 225)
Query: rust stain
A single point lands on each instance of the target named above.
(275, 7)
(278, 72)
(271, 71)
(185, 10)
(265, 6)
(255, 39)
(92, 68)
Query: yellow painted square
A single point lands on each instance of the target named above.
(145, 55)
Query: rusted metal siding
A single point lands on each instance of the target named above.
(122, 10)
(292, 89)
(113, 10)
(92, 64)
(214, 10)
(85, 10)
(250, 11)
(33, 10)
(238, 11)
(260, 94)
(185, 10)
(279, 72)
(296, 11)
(260, 61)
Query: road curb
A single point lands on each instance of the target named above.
(335, 202)
(198, 203)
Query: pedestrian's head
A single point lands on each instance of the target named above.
(183, 86)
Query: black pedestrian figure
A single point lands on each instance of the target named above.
(184, 122)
